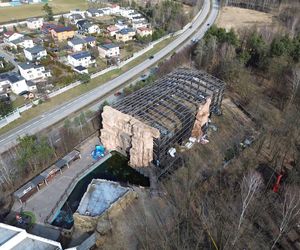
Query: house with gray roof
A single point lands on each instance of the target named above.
(35, 53)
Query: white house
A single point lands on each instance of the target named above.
(83, 58)
(112, 30)
(74, 18)
(138, 19)
(17, 238)
(125, 35)
(23, 42)
(125, 12)
(35, 53)
(106, 11)
(109, 50)
(90, 40)
(15, 82)
(32, 71)
(10, 36)
(35, 23)
(77, 44)
(84, 26)
(134, 15)
(136, 25)
(115, 9)
(121, 25)
(144, 31)
(93, 12)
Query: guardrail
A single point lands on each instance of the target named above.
(17, 113)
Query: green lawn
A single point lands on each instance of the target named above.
(9, 14)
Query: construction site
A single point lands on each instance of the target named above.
(151, 123)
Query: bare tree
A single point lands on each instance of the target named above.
(290, 212)
(249, 189)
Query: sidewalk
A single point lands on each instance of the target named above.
(44, 201)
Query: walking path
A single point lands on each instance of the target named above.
(45, 201)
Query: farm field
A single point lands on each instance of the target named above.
(11, 14)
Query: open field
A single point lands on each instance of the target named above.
(238, 18)
(11, 14)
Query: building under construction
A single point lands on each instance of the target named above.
(149, 123)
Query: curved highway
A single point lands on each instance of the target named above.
(199, 27)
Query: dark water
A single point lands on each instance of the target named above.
(114, 169)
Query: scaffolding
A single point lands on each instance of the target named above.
(171, 104)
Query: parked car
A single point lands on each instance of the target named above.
(151, 57)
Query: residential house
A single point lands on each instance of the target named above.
(109, 50)
(91, 40)
(133, 15)
(142, 24)
(83, 58)
(121, 25)
(138, 19)
(10, 36)
(74, 18)
(35, 53)
(93, 12)
(23, 42)
(114, 9)
(144, 31)
(106, 11)
(125, 12)
(17, 238)
(81, 70)
(14, 82)
(32, 71)
(77, 44)
(86, 27)
(62, 33)
(125, 35)
(47, 27)
(35, 23)
(112, 30)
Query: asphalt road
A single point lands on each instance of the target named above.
(51, 117)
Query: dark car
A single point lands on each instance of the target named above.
(207, 24)
(191, 27)
(151, 57)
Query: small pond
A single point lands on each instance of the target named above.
(114, 169)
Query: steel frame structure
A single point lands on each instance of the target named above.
(171, 104)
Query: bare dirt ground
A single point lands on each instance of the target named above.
(238, 18)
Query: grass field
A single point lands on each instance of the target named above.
(10, 14)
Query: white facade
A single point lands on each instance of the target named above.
(35, 23)
(137, 25)
(31, 55)
(144, 32)
(84, 60)
(115, 9)
(12, 37)
(17, 238)
(16, 83)
(93, 29)
(21, 42)
(109, 51)
(76, 47)
(33, 72)
(125, 12)
(106, 11)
